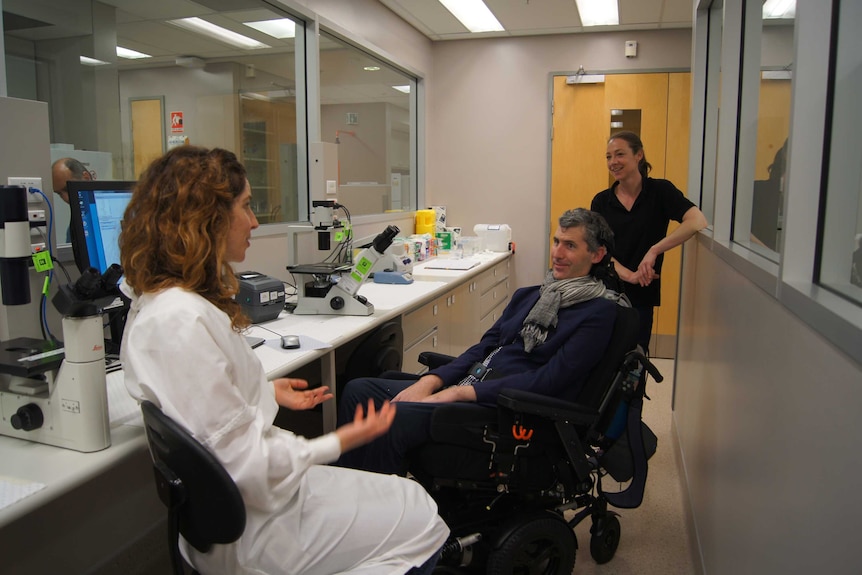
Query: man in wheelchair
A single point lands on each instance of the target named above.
(503, 476)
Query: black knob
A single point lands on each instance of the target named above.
(28, 417)
(337, 302)
(362, 299)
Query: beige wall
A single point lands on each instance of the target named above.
(488, 132)
(767, 413)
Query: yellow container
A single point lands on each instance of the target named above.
(426, 222)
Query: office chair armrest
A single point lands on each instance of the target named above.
(548, 407)
(432, 359)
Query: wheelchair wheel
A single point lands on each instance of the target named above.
(605, 538)
(541, 546)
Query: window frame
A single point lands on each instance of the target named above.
(792, 280)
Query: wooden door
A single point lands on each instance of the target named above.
(148, 132)
(581, 128)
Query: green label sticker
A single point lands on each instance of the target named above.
(363, 266)
(42, 261)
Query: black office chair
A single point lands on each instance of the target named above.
(204, 504)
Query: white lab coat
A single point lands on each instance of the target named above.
(180, 352)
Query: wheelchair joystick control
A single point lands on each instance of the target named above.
(28, 417)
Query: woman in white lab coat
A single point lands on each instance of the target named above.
(189, 217)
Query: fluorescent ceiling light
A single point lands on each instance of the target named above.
(405, 89)
(474, 15)
(599, 12)
(773, 9)
(92, 61)
(281, 28)
(218, 33)
(130, 54)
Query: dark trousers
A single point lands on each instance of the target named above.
(645, 321)
(410, 429)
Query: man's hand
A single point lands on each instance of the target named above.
(294, 394)
(452, 394)
(424, 386)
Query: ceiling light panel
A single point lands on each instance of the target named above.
(599, 12)
(474, 15)
(280, 28)
(218, 33)
(130, 54)
(774, 9)
(87, 61)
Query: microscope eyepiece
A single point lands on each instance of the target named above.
(384, 239)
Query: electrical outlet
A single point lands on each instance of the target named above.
(37, 215)
(28, 183)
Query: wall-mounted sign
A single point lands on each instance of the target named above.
(176, 122)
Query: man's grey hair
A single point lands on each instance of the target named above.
(597, 232)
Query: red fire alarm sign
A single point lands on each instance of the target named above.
(176, 122)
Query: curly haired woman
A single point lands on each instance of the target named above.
(188, 219)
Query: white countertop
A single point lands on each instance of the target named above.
(60, 470)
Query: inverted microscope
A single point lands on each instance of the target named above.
(333, 287)
(49, 392)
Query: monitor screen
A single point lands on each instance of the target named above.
(97, 209)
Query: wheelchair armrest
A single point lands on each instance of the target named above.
(432, 359)
(548, 407)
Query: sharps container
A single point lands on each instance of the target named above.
(426, 222)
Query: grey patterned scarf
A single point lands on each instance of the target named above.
(556, 294)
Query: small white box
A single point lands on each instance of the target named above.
(495, 237)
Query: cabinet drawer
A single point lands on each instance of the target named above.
(496, 295)
(488, 320)
(410, 362)
(418, 323)
(493, 276)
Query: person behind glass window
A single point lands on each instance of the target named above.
(63, 171)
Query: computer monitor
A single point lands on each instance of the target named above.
(97, 209)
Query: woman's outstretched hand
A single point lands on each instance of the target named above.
(294, 394)
(366, 425)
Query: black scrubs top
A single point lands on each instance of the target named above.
(636, 231)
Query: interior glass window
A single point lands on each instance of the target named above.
(712, 102)
(840, 248)
(367, 108)
(126, 81)
(758, 213)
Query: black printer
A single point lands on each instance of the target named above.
(260, 296)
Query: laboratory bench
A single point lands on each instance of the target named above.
(81, 510)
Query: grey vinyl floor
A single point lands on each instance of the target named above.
(655, 539)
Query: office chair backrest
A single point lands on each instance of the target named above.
(203, 501)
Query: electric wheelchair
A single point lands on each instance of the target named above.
(505, 478)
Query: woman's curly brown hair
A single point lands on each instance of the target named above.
(176, 225)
